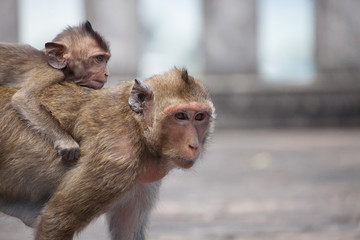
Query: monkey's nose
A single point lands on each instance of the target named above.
(193, 146)
(193, 151)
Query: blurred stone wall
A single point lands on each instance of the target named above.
(337, 35)
(8, 21)
(230, 36)
(244, 100)
(229, 47)
(118, 21)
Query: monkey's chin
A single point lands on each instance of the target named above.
(96, 84)
(184, 163)
(99, 84)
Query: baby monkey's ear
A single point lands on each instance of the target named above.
(55, 55)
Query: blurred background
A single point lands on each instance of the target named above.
(266, 62)
(284, 77)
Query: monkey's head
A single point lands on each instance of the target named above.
(176, 116)
(82, 54)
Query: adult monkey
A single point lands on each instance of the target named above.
(131, 136)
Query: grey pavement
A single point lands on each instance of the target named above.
(281, 184)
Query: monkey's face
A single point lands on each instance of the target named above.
(91, 72)
(84, 63)
(175, 114)
(185, 130)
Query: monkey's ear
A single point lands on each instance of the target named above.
(140, 97)
(55, 55)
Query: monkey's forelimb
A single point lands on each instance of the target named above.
(28, 105)
(85, 193)
(136, 212)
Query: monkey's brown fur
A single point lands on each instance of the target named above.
(123, 149)
(77, 54)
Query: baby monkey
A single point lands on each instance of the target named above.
(77, 54)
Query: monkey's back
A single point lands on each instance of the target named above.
(16, 60)
(75, 109)
(35, 151)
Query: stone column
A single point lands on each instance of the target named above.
(230, 36)
(9, 21)
(117, 21)
(337, 35)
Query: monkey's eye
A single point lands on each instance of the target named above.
(181, 116)
(200, 116)
(99, 58)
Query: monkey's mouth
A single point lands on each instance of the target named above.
(98, 84)
(184, 163)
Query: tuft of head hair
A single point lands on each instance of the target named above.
(95, 35)
(184, 75)
(177, 84)
(73, 33)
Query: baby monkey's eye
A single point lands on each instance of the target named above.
(200, 116)
(99, 58)
(181, 116)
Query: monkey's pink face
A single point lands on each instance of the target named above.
(92, 73)
(185, 128)
(97, 73)
(97, 80)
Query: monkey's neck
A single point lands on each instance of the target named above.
(152, 172)
(153, 168)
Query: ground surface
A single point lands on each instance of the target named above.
(255, 185)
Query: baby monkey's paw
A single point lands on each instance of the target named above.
(69, 151)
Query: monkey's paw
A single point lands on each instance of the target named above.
(69, 152)
(70, 155)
